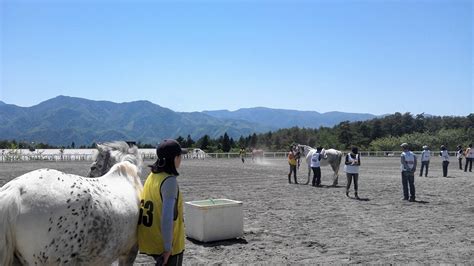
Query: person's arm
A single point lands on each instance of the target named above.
(347, 160)
(169, 193)
(414, 163)
(358, 159)
(404, 164)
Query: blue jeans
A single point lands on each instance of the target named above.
(408, 181)
(423, 165)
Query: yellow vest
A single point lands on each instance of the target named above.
(291, 159)
(150, 239)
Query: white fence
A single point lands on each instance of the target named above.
(19, 155)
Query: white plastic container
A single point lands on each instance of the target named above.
(214, 219)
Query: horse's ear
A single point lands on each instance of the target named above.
(100, 147)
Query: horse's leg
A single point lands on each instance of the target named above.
(335, 167)
(128, 258)
(309, 174)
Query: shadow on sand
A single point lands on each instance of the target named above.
(228, 242)
(421, 201)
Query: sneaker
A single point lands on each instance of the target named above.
(347, 194)
(403, 199)
(411, 200)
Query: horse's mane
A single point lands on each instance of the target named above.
(121, 151)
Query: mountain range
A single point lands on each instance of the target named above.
(63, 120)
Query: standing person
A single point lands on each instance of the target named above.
(408, 168)
(425, 160)
(469, 158)
(292, 163)
(351, 167)
(316, 166)
(242, 154)
(459, 155)
(161, 224)
(445, 158)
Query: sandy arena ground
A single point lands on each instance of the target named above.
(288, 223)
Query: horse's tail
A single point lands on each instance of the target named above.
(9, 210)
(339, 159)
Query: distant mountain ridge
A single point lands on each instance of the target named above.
(63, 120)
(281, 118)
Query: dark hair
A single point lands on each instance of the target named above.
(355, 150)
(165, 164)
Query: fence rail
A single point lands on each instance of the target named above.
(149, 154)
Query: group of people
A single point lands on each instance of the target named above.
(408, 166)
(351, 167)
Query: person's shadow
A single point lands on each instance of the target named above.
(359, 199)
(227, 242)
(421, 201)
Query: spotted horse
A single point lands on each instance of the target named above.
(48, 217)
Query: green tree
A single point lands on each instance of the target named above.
(181, 141)
(189, 141)
(225, 143)
(204, 142)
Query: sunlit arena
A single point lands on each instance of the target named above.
(314, 132)
(289, 223)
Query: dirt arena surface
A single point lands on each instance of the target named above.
(287, 223)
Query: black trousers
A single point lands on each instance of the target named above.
(445, 168)
(468, 161)
(316, 176)
(460, 163)
(172, 260)
(292, 170)
(423, 165)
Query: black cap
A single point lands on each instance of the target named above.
(169, 148)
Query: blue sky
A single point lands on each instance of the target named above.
(372, 56)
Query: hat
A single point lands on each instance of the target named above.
(404, 145)
(425, 147)
(442, 147)
(169, 148)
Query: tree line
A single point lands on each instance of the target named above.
(379, 134)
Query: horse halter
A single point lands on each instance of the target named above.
(106, 167)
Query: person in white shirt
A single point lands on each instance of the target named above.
(469, 158)
(459, 155)
(316, 166)
(351, 168)
(408, 168)
(445, 158)
(425, 160)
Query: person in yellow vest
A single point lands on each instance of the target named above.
(292, 162)
(161, 225)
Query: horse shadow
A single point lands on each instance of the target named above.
(227, 242)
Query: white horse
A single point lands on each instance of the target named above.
(48, 217)
(330, 157)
